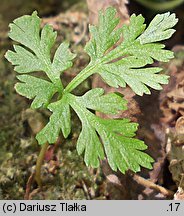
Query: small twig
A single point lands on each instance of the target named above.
(34, 192)
(85, 190)
(149, 184)
(28, 186)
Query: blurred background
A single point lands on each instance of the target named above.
(64, 173)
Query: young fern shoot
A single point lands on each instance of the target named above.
(127, 64)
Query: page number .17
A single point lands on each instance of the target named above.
(173, 207)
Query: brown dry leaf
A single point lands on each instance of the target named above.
(95, 5)
(78, 21)
(172, 106)
(172, 96)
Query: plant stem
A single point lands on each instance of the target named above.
(92, 68)
(39, 163)
(84, 74)
(158, 6)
